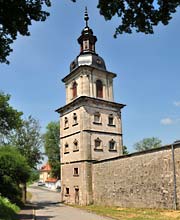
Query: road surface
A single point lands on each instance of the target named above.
(48, 207)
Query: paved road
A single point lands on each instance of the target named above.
(48, 207)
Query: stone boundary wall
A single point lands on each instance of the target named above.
(141, 180)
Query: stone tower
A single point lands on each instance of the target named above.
(90, 122)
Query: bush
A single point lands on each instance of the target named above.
(13, 172)
(8, 210)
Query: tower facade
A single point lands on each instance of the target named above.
(90, 122)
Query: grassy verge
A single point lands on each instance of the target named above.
(7, 209)
(132, 213)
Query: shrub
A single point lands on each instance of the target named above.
(8, 210)
(13, 172)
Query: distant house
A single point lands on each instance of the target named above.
(52, 183)
(44, 172)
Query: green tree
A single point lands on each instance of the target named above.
(28, 141)
(10, 118)
(125, 150)
(141, 15)
(15, 18)
(14, 171)
(52, 150)
(147, 143)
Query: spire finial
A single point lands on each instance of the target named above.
(86, 17)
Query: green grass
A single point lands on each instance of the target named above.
(8, 210)
(133, 213)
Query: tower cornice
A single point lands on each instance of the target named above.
(91, 68)
(85, 100)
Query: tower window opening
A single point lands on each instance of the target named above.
(112, 145)
(66, 148)
(97, 118)
(76, 171)
(66, 124)
(74, 90)
(76, 147)
(111, 120)
(98, 144)
(86, 45)
(74, 119)
(99, 89)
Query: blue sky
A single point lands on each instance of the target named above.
(147, 67)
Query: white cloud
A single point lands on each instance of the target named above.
(177, 103)
(167, 121)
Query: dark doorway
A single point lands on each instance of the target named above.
(76, 195)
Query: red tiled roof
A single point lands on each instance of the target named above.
(46, 167)
(51, 180)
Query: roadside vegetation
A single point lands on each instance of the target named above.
(8, 210)
(20, 153)
(133, 213)
(51, 145)
(14, 171)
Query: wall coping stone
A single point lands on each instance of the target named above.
(134, 154)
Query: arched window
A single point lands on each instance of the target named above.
(74, 89)
(99, 89)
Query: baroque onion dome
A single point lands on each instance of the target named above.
(88, 55)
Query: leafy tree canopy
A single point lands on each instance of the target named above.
(14, 170)
(9, 117)
(28, 141)
(125, 150)
(147, 143)
(52, 150)
(15, 18)
(140, 15)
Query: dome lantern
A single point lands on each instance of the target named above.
(88, 55)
